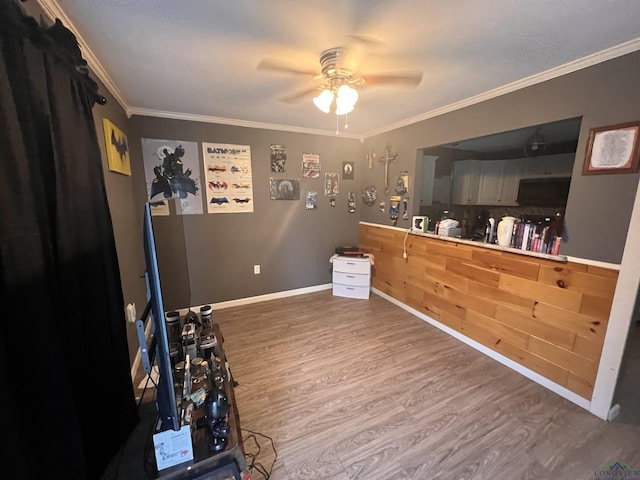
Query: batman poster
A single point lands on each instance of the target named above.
(117, 148)
(172, 171)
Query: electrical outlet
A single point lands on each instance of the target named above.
(256, 269)
(131, 313)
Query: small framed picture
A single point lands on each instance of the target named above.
(613, 149)
(117, 148)
(348, 170)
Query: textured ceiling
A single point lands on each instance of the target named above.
(198, 59)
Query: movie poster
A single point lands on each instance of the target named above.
(310, 165)
(228, 179)
(171, 168)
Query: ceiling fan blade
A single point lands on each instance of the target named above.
(279, 66)
(411, 79)
(294, 97)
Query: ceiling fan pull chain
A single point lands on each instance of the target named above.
(346, 121)
(337, 125)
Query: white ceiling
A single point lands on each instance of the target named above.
(197, 59)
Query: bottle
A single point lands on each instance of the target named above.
(206, 318)
(489, 232)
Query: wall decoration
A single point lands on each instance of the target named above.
(394, 209)
(381, 206)
(172, 171)
(312, 201)
(370, 195)
(402, 183)
(331, 184)
(117, 148)
(348, 170)
(613, 149)
(278, 158)
(388, 158)
(332, 201)
(351, 202)
(310, 165)
(405, 208)
(228, 178)
(284, 188)
(371, 157)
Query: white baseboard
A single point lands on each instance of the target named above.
(530, 374)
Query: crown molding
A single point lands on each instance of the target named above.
(584, 62)
(148, 112)
(53, 10)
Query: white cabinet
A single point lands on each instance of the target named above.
(490, 182)
(486, 182)
(351, 277)
(511, 175)
(465, 182)
(549, 166)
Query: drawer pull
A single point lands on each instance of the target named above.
(351, 276)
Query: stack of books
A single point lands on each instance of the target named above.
(542, 237)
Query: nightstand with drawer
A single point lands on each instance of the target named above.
(351, 276)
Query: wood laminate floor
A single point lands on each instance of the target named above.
(361, 389)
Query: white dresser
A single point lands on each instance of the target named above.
(351, 276)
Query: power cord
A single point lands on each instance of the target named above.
(404, 244)
(251, 457)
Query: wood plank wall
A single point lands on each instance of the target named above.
(548, 316)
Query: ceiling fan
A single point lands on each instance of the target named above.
(338, 80)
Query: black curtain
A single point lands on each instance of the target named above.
(67, 403)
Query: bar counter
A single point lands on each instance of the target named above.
(543, 312)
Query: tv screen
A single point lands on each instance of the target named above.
(544, 192)
(166, 403)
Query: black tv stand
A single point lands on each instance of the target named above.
(228, 463)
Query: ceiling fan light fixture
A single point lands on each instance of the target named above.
(342, 107)
(535, 145)
(323, 100)
(348, 94)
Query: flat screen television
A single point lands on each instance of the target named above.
(158, 350)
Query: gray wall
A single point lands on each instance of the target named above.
(127, 221)
(291, 244)
(599, 207)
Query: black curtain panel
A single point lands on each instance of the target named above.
(67, 403)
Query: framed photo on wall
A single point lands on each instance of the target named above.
(613, 149)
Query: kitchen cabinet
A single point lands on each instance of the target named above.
(549, 166)
(486, 182)
(465, 182)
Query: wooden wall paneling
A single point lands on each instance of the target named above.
(472, 272)
(581, 386)
(603, 272)
(589, 327)
(509, 303)
(448, 249)
(501, 297)
(567, 359)
(498, 329)
(590, 348)
(536, 328)
(503, 262)
(597, 307)
(558, 297)
(563, 277)
(437, 303)
(534, 362)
